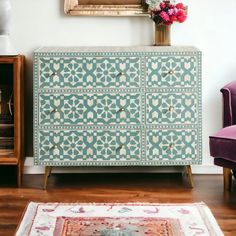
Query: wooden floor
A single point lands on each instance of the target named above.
(159, 188)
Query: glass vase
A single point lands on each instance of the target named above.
(162, 35)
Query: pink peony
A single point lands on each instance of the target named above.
(164, 16)
(180, 6)
(175, 10)
(162, 5)
(181, 16)
(168, 13)
(171, 11)
(173, 18)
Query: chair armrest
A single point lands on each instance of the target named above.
(229, 104)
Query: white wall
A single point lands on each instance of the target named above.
(211, 26)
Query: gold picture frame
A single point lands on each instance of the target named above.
(106, 7)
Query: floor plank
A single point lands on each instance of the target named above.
(159, 188)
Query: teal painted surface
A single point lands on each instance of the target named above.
(117, 108)
(171, 108)
(166, 145)
(67, 109)
(173, 71)
(89, 145)
(89, 72)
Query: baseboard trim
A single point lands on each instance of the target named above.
(29, 168)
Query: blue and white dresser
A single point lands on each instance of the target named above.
(134, 106)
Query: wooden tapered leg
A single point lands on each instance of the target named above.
(188, 173)
(48, 170)
(227, 178)
(19, 174)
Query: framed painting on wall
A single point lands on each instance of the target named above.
(106, 7)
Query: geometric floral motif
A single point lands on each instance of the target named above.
(89, 72)
(117, 108)
(172, 71)
(172, 145)
(89, 145)
(70, 109)
(175, 108)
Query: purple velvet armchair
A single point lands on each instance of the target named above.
(223, 143)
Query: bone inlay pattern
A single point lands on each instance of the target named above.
(117, 107)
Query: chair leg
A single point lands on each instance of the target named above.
(234, 173)
(227, 178)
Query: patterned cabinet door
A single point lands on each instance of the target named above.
(88, 147)
(172, 71)
(89, 72)
(172, 108)
(173, 146)
(98, 109)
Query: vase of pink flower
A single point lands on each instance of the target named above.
(164, 14)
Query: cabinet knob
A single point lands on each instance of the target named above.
(171, 72)
(171, 146)
(171, 108)
(121, 146)
(55, 110)
(120, 74)
(121, 109)
(54, 73)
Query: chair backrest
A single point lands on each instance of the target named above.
(229, 104)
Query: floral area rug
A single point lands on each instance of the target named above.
(117, 219)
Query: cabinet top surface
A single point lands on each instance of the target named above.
(117, 49)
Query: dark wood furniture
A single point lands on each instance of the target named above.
(11, 112)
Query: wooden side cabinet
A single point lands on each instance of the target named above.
(11, 112)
